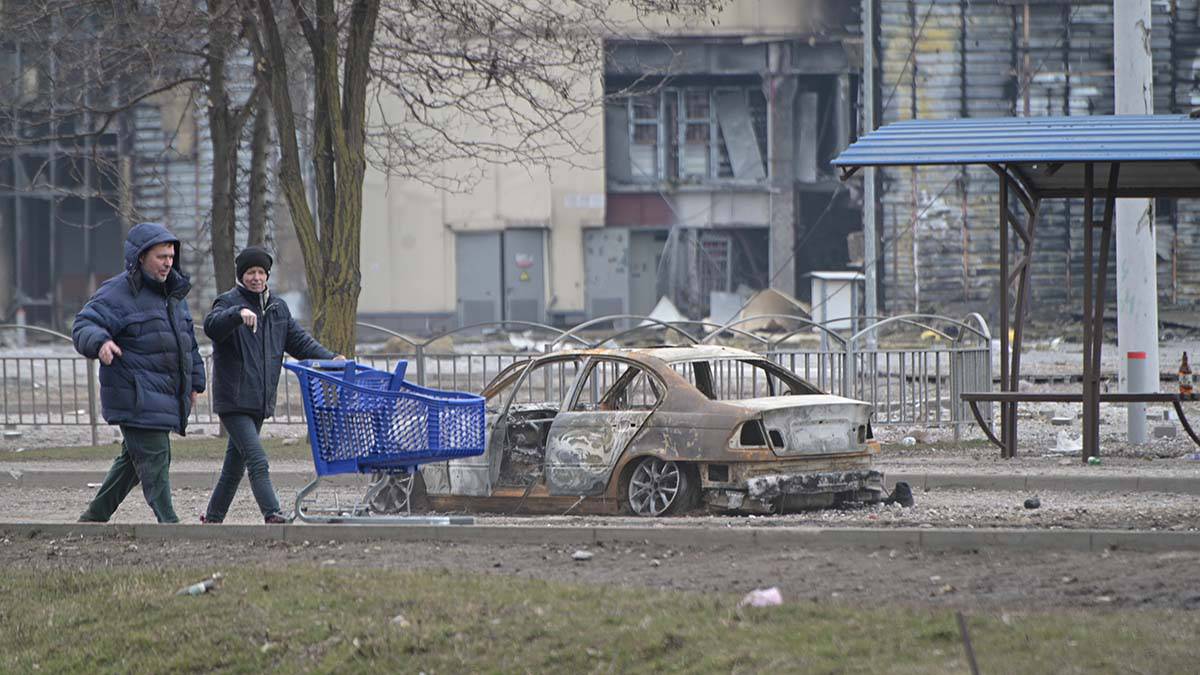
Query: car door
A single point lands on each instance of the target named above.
(608, 405)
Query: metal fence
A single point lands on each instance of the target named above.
(907, 386)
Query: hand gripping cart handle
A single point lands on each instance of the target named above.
(362, 420)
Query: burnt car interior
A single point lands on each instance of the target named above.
(610, 385)
(737, 379)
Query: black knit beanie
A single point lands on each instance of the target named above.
(252, 256)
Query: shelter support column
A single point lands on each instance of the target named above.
(1014, 289)
(1093, 299)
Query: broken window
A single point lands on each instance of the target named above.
(739, 379)
(692, 134)
(612, 385)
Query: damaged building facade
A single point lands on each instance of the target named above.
(939, 248)
(710, 165)
(76, 181)
(712, 151)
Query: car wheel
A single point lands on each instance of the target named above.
(659, 488)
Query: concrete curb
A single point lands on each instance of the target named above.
(924, 481)
(783, 538)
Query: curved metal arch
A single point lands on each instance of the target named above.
(808, 323)
(655, 324)
(527, 324)
(717, 326)
(911, 319)
(37, 329)
(389, 331)
(984, 331)
(597, 320)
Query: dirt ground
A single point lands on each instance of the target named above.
(934, 508)
(977, 581)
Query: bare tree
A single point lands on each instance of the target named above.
(479, 81)
(85, 62)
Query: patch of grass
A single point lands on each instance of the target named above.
(182, 449)
(334, 620)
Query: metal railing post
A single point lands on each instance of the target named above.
(92, 416)
(421, 365)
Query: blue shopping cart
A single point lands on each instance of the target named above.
(362, 420)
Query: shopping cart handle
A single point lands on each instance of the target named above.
(328, 364)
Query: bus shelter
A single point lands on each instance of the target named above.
(1097, 159)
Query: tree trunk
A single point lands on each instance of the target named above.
(260, 148)
(224, 146)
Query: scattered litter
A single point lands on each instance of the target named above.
(908, 440)
(1033, 503)
(1061, 421)
(1066, 444)
(12, 434)
(655, 563)
(16, 473)
(1194, 456)
(1094, 461)
(266, 647)
(762, 597)
(582, 555)
(291, 441)
(94, 485)
(201, 587)
(19, 450)
(400, 621)
(945, 590)
(326, 563)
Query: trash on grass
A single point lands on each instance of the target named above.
(201, 587)
(908, 440)
(1033, 503)
(582, 555)
(762, 597)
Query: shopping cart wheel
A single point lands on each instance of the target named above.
(392, 493)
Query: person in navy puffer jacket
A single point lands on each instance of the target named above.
(139, 326)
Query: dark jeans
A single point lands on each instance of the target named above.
(244, 454)
(146, 458)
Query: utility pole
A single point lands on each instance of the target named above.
(870, 97)
(1137, 286)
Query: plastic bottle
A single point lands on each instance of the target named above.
(201, 587)
(1094, 461)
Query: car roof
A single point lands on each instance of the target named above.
(671, 354)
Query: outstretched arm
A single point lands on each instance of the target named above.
(222, 320)
(302, 346)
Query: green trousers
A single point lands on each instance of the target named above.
(146, 458)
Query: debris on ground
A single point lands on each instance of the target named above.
(762, 597)
(203, 586)
(582, 555)
(901, 494)
(1033, 503)
(1065, 444)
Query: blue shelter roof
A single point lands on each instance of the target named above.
(1159, 154)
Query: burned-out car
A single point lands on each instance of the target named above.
(658, 431)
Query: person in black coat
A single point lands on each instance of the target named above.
(139, 326)
(250, 330)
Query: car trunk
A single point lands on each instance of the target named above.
(799, 426)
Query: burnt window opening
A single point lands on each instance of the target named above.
(689, 134)
(752, 435)
(777, 440)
